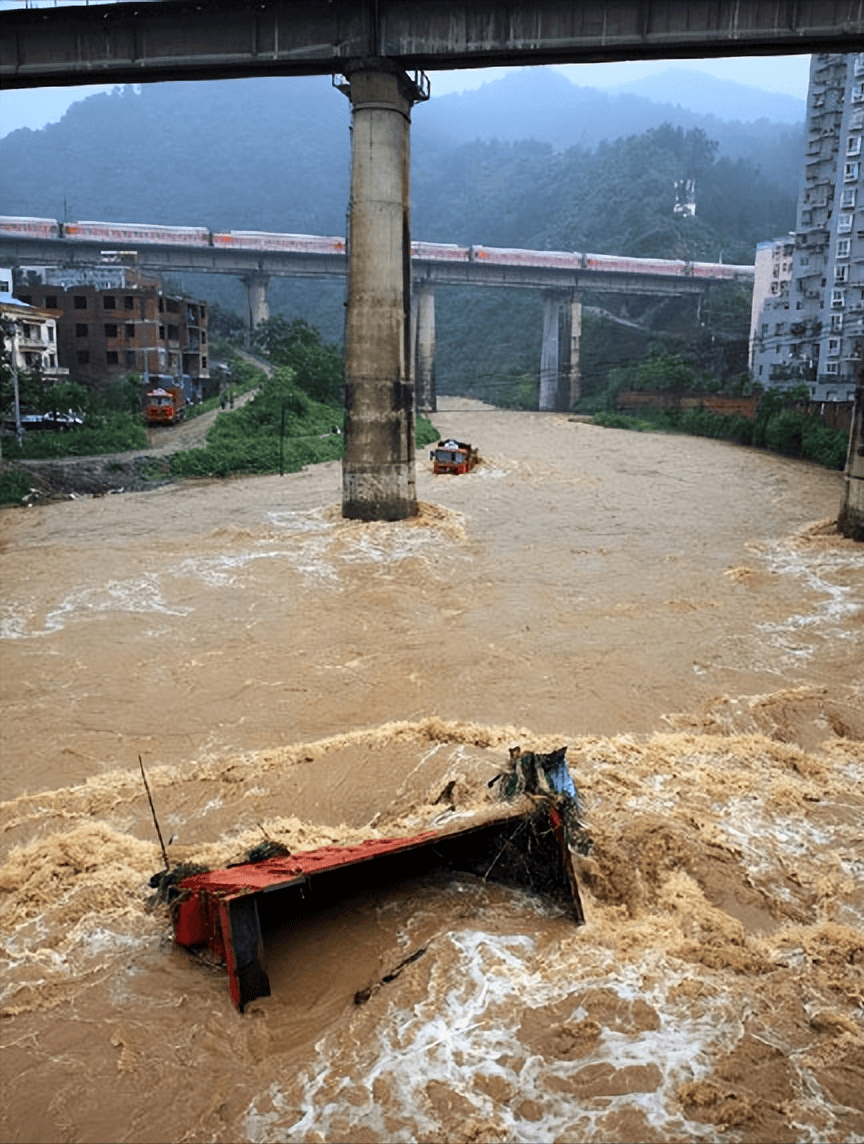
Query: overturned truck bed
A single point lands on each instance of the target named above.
(523, 844)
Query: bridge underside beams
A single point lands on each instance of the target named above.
(185, 40)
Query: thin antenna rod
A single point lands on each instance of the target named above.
(153, 812)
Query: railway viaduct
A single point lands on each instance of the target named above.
(377, 51)
(561, 278)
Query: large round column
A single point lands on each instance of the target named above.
(378, 478)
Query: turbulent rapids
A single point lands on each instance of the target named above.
(678, 613)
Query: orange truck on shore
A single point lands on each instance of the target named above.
(453, 457)
(165, 406)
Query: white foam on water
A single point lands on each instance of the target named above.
(467, 1027)
(137, 595)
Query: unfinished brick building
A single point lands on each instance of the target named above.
(116, 321)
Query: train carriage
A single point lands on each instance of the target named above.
(121, 233)
(292, 243)
(439, 251)
(12, 227)
(543, 259)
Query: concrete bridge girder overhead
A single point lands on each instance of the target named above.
(186, 40)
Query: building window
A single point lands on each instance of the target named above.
(836, 323)
(848, 196)
(112, 358)
(161, 304)
(130, 329)
(832, 367)
(80, 329)
(850, 172)
(49, 333)
(79, 302)
(130, 359)
(162, 333)
(173, 333)
(843, 245)
(778, 329)
(841, 272)
(83, 357)
(764, 329)
(128, 302)
(844, 223)
(50, 301)
(838, 299)
(110, 329)
(173, 306)
(833, 347)
(203, 362)
(109, 302)
(853, 145)
(203, 336)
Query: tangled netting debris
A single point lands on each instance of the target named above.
(531, 773)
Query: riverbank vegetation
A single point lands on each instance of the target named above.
(777, 427)
(282, 428)
(111, 418)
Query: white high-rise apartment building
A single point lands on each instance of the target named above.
(811, 331)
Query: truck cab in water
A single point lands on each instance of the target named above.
(453, 457)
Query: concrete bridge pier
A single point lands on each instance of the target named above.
(559, 359)
(549, 354)
(257, 302)
(425, 349)
(378, 475)
(570, 389)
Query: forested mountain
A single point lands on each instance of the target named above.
(274, 154)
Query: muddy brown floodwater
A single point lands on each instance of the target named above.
(679, 612)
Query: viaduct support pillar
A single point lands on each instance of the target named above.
(425, 370)
(851, 519)
(549, 354)
(559, 361)
(257, 303)
(378, 475)
(571, 377)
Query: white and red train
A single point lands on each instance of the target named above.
(124, 234)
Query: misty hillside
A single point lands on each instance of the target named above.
(274, 154)
(543, 105)
(719, 98)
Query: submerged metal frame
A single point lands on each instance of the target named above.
(219, 909)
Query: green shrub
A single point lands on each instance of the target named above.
(14, 486)
(783, 433)
(116, 433)
(821, 443)
(621, 421)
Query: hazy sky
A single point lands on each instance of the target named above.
(788, 74)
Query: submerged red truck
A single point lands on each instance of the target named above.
(453, 457)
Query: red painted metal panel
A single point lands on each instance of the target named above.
(253, 877)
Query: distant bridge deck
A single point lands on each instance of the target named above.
(35, 241)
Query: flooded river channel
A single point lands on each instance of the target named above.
(679, 612)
